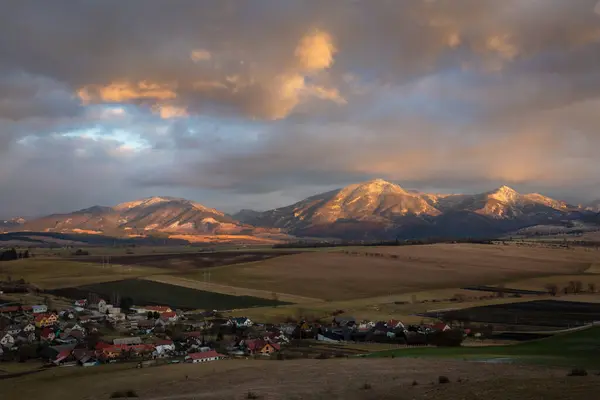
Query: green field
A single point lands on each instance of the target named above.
(149, 292)
(575, 349)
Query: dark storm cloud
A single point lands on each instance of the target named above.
(450, 94)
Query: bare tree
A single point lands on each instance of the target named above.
(592, 287)
(552, 288)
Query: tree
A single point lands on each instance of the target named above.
(592, 287)
(126, 303)
(150, 315)
(156, 315)
(552, 288)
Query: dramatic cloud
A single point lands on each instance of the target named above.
(274, 100)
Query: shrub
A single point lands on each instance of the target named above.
(366, 386)
(415, 383)
(578, 372)
(451, 338)
(443, 379)
(251, 395)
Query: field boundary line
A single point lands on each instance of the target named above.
(229, 290)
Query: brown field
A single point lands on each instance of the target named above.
(306, 379)
(186, 262)
(57, 273)
(380, 271)
(224, 289)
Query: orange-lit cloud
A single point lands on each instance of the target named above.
(200, 55)
(315, 51)
(118, 92)
(169, 111)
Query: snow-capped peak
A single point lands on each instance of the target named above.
(377, 186)
(504, 194)
(143, 202)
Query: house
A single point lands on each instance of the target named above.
(77, 327)
(395, 324)
(67, 314)
(241, 322)
(10, 309)
(145, 324)
(128, 341)
(47, 334)
(25, 337)
(43, 320)
(13, 330)
(253, 346)
(205, 356)
(162, 348)
(29, 328)
(64, 357)
(441, 327)
(169, 316)
(39, 309)
(146, 309)
(81, 303)
(102, 306)
(270, 348)
(7, 340)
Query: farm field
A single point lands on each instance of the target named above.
(149, 292)
(574, 350)
(184, 262)
(538, 313)
(364, 272)
(387, 379)
(56, 273)
(230, 290)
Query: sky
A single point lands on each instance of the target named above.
(260, 103)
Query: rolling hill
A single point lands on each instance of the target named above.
(155, 214)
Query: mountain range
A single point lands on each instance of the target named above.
(373, 210)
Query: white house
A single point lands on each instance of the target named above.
(162, 350)
(102, 306)
(29, 328)
(39, 309)
(7, 341)
(240, 322)
(205, 356)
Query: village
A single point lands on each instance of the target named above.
(93, 332)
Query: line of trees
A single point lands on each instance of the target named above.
(13, 254)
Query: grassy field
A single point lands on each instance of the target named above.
(57, 273)
(149, 292)
(575, 349)
(380, 271)
(352, 379)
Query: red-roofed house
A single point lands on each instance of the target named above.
(47, 334)
(169, 316)
(270, 348)
(64, 356)
(81, 303)
(254, 346)
(205, 356)
(43, 320)
(9, 309)
(440, 326)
